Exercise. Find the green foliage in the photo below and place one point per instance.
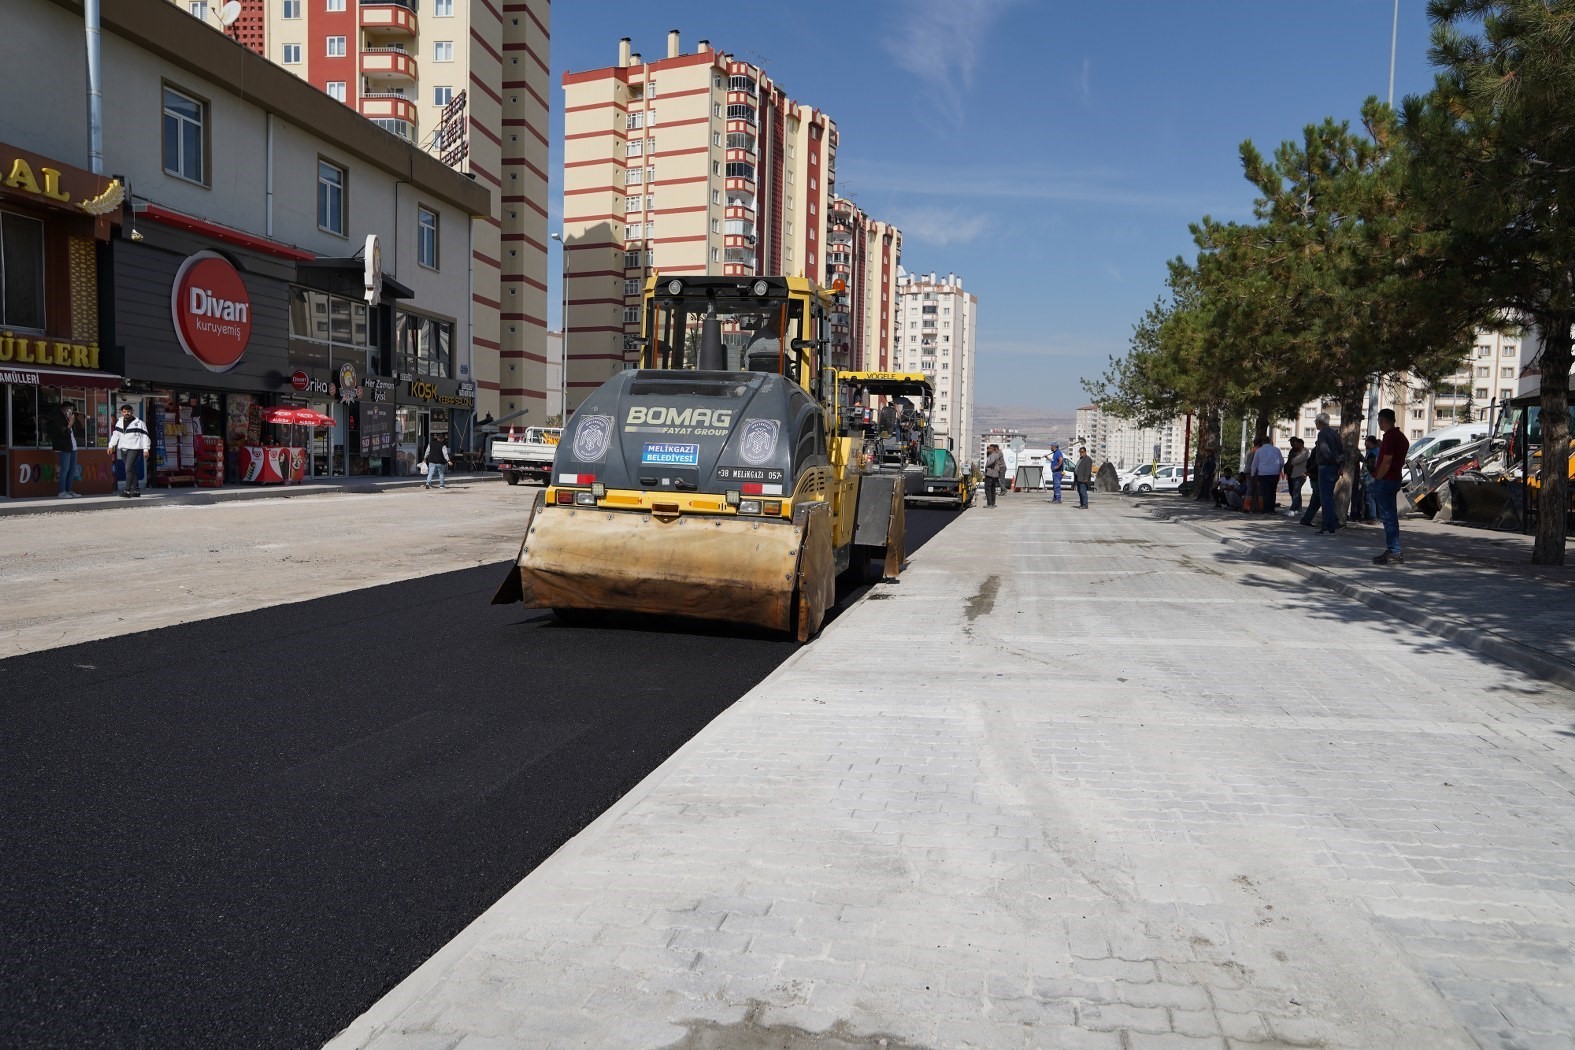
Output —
(1494, 171)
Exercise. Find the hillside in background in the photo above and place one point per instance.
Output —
(1040, 428)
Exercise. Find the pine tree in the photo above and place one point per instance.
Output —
(1494, 157)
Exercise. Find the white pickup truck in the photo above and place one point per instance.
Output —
(528, 457)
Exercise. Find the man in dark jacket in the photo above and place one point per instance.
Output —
(438, 461)
(64, 431)
(1083, 476)
(1329, 455)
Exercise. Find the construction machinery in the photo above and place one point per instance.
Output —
(897, 437)
(714, 480)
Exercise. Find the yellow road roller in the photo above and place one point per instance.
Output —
(713, 481)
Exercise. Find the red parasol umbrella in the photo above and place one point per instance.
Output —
(300, 417)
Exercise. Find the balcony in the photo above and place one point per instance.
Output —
(836, 237)
(388, 105)
(388, 63)
(398, 16)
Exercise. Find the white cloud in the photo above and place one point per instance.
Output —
(939, 42)
(939, 226)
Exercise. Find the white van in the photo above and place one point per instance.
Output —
(1441, 441)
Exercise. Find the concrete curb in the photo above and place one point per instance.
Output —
(1478, 640)
(206, 497)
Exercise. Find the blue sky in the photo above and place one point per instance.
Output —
(1051, 153)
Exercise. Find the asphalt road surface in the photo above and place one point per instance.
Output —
(243, 831)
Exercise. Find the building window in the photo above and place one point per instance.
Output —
(443, 8)
(631, 315)
(426, 237)
(443, 51)
(633, 176)
(1510, 349)
(291, 54)
(631, 286)
(423, 346)
(1506, 373)
(631, 231)
(1484, 351)
(634, 147)
(291, 9)
(199, 9)
(185, 136)
(631, 260)
(336, 47)
(634, 121)
(336, 5)
(336, 90)
(330, 197)
(442, 95)
(1506, 394)
(21, 272)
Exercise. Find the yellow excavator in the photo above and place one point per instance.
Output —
(713, 481)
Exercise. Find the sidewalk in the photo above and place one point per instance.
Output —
(1081, 779)
(195, 497)
(1474, 587)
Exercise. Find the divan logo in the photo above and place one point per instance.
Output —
(212, 312)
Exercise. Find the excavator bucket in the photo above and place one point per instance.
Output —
(736, 570)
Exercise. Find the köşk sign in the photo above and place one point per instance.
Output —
(212, 312)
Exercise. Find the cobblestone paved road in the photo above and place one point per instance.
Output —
(1079, 780)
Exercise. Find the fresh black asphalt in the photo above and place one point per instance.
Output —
(242, 832)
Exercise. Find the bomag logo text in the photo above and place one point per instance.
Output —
(660, 416)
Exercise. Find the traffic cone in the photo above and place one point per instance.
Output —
(511, 433)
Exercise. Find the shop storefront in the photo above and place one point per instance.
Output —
(428, 399)
(54, 222)
(202, 321)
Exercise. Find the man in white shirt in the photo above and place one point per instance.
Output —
(1267, 463)
(131, 437)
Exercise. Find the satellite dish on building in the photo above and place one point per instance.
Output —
(229, 13)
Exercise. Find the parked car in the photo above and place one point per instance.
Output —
(1142, 470)
(1166, 479)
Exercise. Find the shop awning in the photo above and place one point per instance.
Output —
(58, 377)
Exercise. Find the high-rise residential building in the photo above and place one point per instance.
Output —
(468, 80)
(866, 255)
(1113, 439)
(936, 320)
(687, 163)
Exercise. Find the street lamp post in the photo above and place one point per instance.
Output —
(563, 333)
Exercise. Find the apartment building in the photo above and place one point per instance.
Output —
(936, 323)
(685, 163)
(1494, 373)
(865, 254)
(1113, 439)
(468, 81)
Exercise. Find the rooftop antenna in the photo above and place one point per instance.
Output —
(229, 13)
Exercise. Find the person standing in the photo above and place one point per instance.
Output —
(1268, 462)
(1083, 476)
(1386, 485)
(63, 439)
(1368, 504)
(1329, 455)
(130, 437)
(1296, 473)
(994, 469)
(438, 461)
(1208, 473)
(1057, 465)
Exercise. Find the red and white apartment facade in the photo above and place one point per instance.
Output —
(690, 163)
(866, 255)
(468, 80)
